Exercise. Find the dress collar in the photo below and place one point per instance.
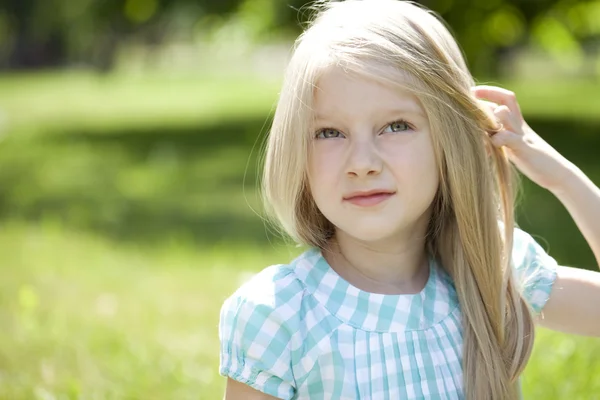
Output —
(374, 311)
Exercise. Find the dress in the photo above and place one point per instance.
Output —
(300, 331)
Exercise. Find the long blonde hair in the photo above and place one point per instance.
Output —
(471, 227)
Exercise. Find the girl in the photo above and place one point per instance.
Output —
(387, 163)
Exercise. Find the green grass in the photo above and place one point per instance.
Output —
(83, 317)
(562, 367)
(129, 211)
(82, 100)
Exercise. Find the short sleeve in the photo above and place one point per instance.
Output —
(255, 346)
(535, 270)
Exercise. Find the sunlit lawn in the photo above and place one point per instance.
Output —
(128, 215)
(85, 318)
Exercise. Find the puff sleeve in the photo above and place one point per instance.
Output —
(255, 341)
(535, 270)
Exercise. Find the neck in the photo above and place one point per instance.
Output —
(398, 265)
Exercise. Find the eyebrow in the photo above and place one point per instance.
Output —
(386, 112)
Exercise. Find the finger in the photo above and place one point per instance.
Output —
(488, 108)
(506, 117)
(505, 138)
(489, 105)
(497, 95)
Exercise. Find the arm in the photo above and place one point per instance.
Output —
(238, 391)
(574, 303)
(582, 199)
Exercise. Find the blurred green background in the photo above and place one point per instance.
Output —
(130, 136)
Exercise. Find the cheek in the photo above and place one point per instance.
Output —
(414, 164)
(323, 164)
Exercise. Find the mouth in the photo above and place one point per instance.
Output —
(370, 198)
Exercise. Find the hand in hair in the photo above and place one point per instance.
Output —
(532, 155)
(573, 303)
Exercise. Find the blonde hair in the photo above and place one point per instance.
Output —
(402, 43)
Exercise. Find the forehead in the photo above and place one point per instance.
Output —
(342, 91)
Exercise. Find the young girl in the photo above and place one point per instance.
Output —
(387, 163)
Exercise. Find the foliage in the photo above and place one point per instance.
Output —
(36, 33)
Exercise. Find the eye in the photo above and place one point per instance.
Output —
(328, 133)
(397, 126)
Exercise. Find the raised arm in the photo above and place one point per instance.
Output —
(574, 303)
(582, 199)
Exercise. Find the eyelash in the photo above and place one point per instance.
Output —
(318, 134)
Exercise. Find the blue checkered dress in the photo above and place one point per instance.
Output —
(300, 331)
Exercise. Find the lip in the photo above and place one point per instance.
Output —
(366, 193)
(369, 198)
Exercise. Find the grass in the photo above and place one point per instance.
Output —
(84, 317)
(129, 212)
(101, 103)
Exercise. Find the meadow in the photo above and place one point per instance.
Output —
(129, 212)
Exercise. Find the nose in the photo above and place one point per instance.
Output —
(363, 159)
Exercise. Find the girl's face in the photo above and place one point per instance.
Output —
(369, 138)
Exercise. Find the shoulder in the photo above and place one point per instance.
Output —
(271, 297)
(527, 253)
(256, 327)
(271, 289)
(535, 270)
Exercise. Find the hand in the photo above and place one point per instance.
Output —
(532, 155)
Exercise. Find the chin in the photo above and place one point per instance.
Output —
(371, 232)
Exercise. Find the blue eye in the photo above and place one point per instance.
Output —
(397, 126)
(328, 133)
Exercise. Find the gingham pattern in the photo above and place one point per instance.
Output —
(535, 270)
(300, 331)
